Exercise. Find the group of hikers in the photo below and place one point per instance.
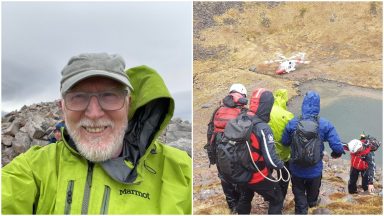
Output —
(247, 143)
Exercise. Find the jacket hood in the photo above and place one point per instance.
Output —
(150, 111)
(261, 103)
(281, 98)
(311, 104)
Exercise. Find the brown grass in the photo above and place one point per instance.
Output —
(336, 196)
(364, 205)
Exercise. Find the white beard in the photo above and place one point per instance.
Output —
(94, 150)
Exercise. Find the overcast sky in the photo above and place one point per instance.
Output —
(38, 39)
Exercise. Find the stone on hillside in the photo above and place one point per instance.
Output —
(177, 120)
(343, 176)
(34, 127)
(39, 142)
(182, 144)
(205, 106)
(175, 135)
(21, 143)
(5, 125)
(45, 125)
(33, 107)
(253, 68)
(350, 199)
(322, 211)
(326, 158)
(12, 129)
(324, 200)
(179, 127)
(296, 84)
(9, 118)
(22, 120)
(7, 155)
(6, 140)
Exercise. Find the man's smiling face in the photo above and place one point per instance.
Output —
(98, 130)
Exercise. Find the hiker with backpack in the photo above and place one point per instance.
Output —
(280, 117)
(306, 134)
(362, 162)
(231, 106)
(259, 157)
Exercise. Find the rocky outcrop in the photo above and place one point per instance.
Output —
(34, 125)
(178, 134)
(31, 125)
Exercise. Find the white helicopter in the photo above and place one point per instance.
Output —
(288, 64)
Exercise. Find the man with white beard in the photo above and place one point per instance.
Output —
(109, 160)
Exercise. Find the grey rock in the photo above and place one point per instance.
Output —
(21, 143)
(177, 120)
(175, 135)
(343, 176)
(8, 118)
(39, 142)
(5, 125)
(296, 84)
(35, 127)
(12, 129)
(253, 68)
(326, 158)
(7, 140)
(205, 106)
(324, 201)
(349, 198)
(179, 127)
(182, 144)
(7, 155)
(322, 211)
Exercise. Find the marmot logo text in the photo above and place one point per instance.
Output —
(135, 192)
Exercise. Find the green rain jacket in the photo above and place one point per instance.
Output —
(55, 179)
(280, 116)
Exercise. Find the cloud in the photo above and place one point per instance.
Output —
(38, 38)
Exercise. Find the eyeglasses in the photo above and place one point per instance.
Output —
(108, 100)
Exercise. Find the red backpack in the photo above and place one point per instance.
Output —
(232, 105)
(357, 159)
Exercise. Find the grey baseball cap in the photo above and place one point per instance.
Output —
(93, 64)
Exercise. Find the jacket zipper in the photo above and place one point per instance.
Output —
(87, 189)
(104, 204)
(68, 200)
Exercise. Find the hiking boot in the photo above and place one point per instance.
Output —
(234, 211)
(313, 204)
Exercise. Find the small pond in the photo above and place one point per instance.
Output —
(352, 110)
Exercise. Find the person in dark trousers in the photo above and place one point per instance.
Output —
(263, 155)
(306, 181)
(280, 117)
(362, 163)
(232, 105)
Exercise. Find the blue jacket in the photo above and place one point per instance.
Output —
(309, 109)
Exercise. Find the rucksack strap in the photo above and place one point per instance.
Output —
(256, 120)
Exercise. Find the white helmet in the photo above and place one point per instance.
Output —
(354, 145)
(240, 88)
